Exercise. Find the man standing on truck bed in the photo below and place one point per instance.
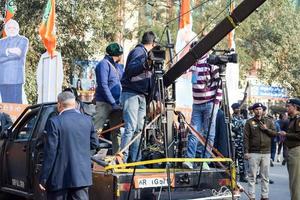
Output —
(66, 172)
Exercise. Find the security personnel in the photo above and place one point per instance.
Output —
(293, 143)
(258, 133)
(238, 123)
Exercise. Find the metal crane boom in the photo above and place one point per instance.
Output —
(211, 39)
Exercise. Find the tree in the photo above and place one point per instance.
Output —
(271, 35)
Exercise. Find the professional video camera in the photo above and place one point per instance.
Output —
(157, 55)
(221, 57)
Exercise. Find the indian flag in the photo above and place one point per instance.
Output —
(47, 28)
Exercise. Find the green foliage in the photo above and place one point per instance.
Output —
(271, 35)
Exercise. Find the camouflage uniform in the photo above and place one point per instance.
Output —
(238, 123)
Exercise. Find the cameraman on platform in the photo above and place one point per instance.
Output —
(137, 83)
(206, 98)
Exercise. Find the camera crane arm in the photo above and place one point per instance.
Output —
(211, 39)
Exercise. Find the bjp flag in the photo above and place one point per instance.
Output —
(47, 28)
(10, 10)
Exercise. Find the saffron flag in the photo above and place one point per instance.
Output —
(47, 28)
(10, 10)
(185, 34)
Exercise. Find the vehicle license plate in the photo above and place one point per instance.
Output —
(148, 181)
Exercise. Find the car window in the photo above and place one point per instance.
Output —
(26, 130)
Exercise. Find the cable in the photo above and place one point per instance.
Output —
(177, 53)
(179, 16)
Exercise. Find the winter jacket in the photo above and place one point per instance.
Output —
(108, 76)
(137, 77)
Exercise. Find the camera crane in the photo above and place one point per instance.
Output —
(239, 14)
(167, 79)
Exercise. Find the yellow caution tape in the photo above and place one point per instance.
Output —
(164, 160)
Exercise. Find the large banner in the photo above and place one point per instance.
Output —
(14, 110)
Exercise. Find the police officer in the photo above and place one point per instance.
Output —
(258, 133)
(293, 143)
(238, 123)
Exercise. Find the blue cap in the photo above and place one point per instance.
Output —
(235, 106)
(294, 101)
(256, 105)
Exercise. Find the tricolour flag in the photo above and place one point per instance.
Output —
(10, 10)
(47, 28)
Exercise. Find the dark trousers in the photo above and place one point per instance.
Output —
(11, 93)
(81, 193)
(273, 148)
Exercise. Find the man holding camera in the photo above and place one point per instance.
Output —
(258, 132)
(137, 83)
(207, 95)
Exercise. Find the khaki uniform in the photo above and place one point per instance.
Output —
(257, 143)
(293, 162)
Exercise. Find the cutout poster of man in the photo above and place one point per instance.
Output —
(13, 50)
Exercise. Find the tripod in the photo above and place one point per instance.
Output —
(160, 90)
(158, 71)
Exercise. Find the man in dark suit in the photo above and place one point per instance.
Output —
(66, 172)
(5, 121)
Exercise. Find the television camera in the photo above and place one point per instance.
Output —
(157, 57)
(221, 57)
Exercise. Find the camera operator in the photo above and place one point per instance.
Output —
(137, 83)
(206, 93)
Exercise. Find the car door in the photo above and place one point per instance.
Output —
(17, 152)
